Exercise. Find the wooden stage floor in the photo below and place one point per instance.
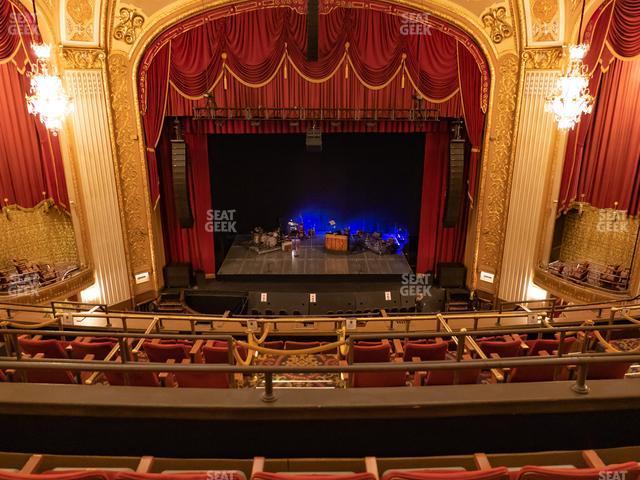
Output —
(312, 259)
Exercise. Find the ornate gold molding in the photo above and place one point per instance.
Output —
(132, 176)
(572, 292)
(542, 58)
(129, 24)
(57, 291)
(498, 169)
(82, 58)
(496, 21)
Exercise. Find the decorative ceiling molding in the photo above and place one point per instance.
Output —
(545, 22)
(75, 58)
(497, 22)
(80, 22)
(542, 58)
(129, 25)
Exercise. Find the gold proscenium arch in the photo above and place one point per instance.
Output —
(488, 217)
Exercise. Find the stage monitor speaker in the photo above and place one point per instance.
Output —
(216, 303)
(455, 177)
(313, 11)
(314, 140)
(278, 303)
(177, 275)
(180, 174)
(333, 303)
(452, 275)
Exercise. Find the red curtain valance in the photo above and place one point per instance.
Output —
(31, 166)
(248, 57)
(602, 161)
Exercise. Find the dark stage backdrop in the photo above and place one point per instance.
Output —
(367, 181)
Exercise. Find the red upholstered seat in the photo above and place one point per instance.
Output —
(312, 476)
(492, 474)
(161, 352)
(631, 472)
(291, 345)
(607, 371)
(48, 348)
(446, 377)
(503, 349)
(535, 373)
(425, 351)
(549, 345)
(136, 379)
(217, 354)
(379, 353)
(274, 344)
(99, 350)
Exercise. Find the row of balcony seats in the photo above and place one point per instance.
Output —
(382, 351)
(585, 465)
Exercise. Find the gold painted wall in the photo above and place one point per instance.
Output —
(42, 234)
(602, 236)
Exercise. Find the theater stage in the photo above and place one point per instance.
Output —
(312, 260)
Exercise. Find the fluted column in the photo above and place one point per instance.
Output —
(534, 151)
(90, 140)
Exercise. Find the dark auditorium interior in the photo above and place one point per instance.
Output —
(319, 239)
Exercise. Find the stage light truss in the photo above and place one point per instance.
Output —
(294, 116)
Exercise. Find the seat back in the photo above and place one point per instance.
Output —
(99, 350)
(48, 348)
(136, 379)
(607, 371)
(549, 345)
(500, 473)
(466, 376)
(274, 344)
(214, 355)
(161, 352)
(425, 351)
(625, 471)
(380, 352)
(535, 373)
(503, 349)
(292, 345)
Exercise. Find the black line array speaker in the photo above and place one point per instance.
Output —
(455, 178)
(180, 174)
(313, 11)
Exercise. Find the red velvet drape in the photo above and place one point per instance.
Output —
(257, 58)
(191, 245)
(436, 243)
(31, 167)
(602, 161)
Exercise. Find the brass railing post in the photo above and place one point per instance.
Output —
(581, 381)
(268, 396)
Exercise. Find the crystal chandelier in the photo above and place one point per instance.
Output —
(571, 98)
(47, 98)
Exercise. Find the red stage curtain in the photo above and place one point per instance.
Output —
(436, 243)
(258, 58)
(603, 155)
(191, 245)
(31, 165)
